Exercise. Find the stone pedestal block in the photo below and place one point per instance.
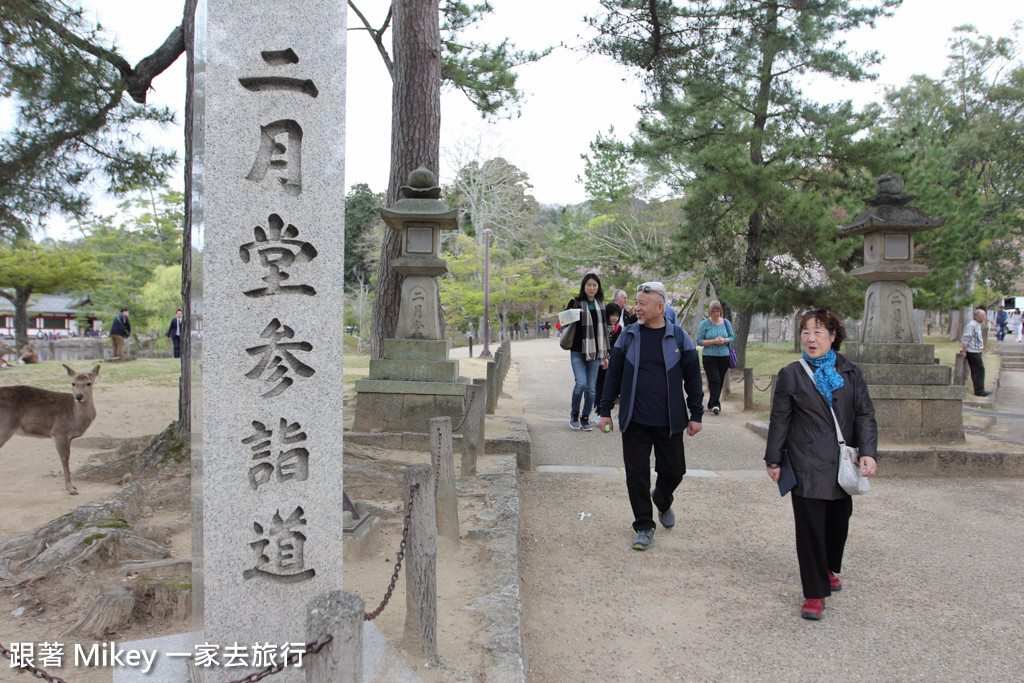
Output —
(915, 354)
(406, 406)
(416, 370)
(416, 349)
(889, 314)
(418, 315)
(892, 373)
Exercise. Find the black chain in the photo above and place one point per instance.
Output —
(466, 414)
(370, 616)
(38, 673)
(311, 649)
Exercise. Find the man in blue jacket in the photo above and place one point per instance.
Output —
(651, 364)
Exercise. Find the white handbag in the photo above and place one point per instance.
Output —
(849, 477)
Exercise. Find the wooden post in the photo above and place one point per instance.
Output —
(473, 427)
(748, 388)
(492, 384)
(421, 564)
(446, 504)
(340, 614)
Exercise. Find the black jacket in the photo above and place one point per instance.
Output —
(121, 326)
(801, 423)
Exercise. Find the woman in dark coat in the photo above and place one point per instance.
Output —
(802, 426)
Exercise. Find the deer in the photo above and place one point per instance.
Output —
(46, 414)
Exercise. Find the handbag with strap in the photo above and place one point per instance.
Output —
(849, 476)
(732, 352)
(568, 332)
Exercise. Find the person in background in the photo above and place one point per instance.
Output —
(973, 343)
(1016, 323)
(715, 337)
(1001, 324)
(614, 329)
(803, 426)
(589, 350)
(120, 330)
(174, 333)
(628, 317)
(652, 363)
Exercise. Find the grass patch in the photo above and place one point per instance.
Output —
(95, 537)
(51, 375)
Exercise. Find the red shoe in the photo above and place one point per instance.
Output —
(812, 608)
(834, 582)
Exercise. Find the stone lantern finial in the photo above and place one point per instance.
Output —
(422, 185)
(889, 192)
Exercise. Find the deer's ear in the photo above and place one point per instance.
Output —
(71, 373)
(95, 372)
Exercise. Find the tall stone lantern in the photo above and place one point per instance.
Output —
(888, 228)
(414, 380)
(915, 399)
(420, 217)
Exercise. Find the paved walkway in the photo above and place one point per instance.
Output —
(933, 587)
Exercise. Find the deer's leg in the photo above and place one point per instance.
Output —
(6, 432)
(64, 451)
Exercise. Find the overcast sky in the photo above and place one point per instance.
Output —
(570, 97)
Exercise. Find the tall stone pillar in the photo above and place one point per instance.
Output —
(270, 104)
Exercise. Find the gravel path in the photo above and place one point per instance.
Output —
(933, 589)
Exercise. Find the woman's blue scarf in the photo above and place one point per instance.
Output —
(826, 379)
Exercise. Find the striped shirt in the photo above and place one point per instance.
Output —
(972, 338)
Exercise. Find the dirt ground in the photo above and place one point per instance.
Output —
(32, 494)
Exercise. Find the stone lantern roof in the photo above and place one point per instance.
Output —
(889, 211)
(888, 228)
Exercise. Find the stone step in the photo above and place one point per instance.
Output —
(903, 374)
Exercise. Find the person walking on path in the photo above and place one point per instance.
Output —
(120, 330)
(973, 343)
(174, 333)
(803, 427)
(651, 365)
(589, 350)
(1001, 324)
(715, 337)
(1017, 323)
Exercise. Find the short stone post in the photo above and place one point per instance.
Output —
(960, 369)
(492, 387)
(473, 427)
(446, 505)
(421, 564)
(748, 388)
(339, 614)
(499, 363)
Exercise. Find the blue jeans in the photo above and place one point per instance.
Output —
(585, 372)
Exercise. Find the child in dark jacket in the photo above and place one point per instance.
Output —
(614, 330)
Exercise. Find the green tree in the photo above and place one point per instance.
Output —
(761, 164)
(130, 245)
(955, 132)
(66, 87)
(158, 300)
(362, 226)
(27, 269)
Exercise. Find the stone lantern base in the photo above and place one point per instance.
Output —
(914, 398)
(412, 383)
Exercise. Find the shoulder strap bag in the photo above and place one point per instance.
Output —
(732, 352)
(849, 477)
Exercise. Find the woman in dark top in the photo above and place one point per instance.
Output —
(802, 426)
(589, 349)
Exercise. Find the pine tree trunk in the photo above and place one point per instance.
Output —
(185, 383)
(415, 138)
(21, 318)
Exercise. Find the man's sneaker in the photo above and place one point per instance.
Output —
(667, 518)
(834, 582)
(585, 423)
(574, 419)
(643, 539)
(812, 608)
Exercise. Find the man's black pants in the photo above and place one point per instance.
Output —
(977, 371)
(669, 463)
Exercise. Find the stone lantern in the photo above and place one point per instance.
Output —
(420, 217)
(888, 228)
(915, 400)
(414, 380)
